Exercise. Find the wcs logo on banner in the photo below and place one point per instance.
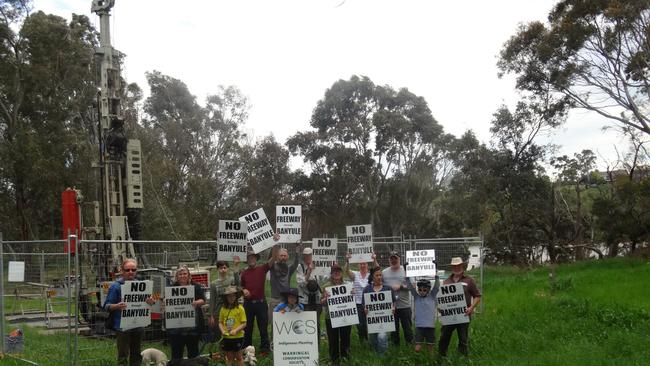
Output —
(298, 327)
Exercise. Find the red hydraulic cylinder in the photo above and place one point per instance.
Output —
(71, 218)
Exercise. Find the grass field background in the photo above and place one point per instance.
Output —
(597, 313)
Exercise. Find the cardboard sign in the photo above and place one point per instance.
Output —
(380, 317)
(16, 272)
(260, 232)
(288, 223)
(341, 306)
(295, 338)
(232, 240)
(420, 263)
(324, 255)
(360, 243)
(452, 304)
(137, 313)
(179, 312)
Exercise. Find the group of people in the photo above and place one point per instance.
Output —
(233, 322)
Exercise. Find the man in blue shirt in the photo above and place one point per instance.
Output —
(128, 341)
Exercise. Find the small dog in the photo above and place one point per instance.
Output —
(249, 356)
(152, 356)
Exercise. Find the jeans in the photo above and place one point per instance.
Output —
(362, 327)
(379, 342)
(257, 309)
(179, 341)
(463, 338)
(403, 316)
(339, 341)
(128, 347)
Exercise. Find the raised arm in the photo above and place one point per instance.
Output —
(409, 285)
(346, 269)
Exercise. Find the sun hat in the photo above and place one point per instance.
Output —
(455, 261)
(307, 251)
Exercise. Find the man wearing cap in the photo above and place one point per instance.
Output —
(309, 292)
(395, 277)
(472, 296)
(253, 280)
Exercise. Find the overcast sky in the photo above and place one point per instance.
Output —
(283, 55)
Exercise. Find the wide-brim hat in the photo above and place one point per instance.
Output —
(307, 251)
(394, 254)
(230, 290)
(250, 252)
(455, 261)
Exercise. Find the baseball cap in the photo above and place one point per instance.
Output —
(307, 251)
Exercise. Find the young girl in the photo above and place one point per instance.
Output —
(425, 310)
(290, 302)
(232, 321)
(378, 341)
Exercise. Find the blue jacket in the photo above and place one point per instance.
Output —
(114, 297)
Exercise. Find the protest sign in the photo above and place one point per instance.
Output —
(232, 240)
(342, 306)
(324, 255)
(420, 263)
(260, 232)
(452, 304)
(179, 312)
(380, 317)
(295, 338)
(137, 313)
(288, 223)
(359, 243)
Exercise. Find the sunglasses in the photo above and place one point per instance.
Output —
(129, 270)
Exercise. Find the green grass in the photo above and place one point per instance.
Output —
(598, 314)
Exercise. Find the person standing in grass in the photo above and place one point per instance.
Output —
(232, 321)
(378, 341)
(188, 337)
(338, 338)
(128, 341)
(360, 281)
(425, 312)
(473, 298)
(395, 277)
(225, 278)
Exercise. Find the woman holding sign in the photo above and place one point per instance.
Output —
(378, 341)
(360, 280)
(339, 338)
(188, 337)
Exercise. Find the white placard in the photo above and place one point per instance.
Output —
(16, 272)
(260, 232)
(179, 312)
(359, 243)
(324, 255)
(137, 313)
(295, 338)
(288, 222)
(420, 263)
(380, 317)
(341, 306)
(452, 304)
(232, 240)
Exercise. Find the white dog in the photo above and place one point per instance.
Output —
(153, 357)
(249, 356)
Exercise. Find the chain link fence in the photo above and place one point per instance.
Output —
(61, 294)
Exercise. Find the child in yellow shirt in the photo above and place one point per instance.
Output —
(232, 321)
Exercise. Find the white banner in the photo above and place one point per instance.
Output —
(420, 263)
(137, 313)
(452, 304)
(341, 306)
(288, 222)
(295, 338)
(359, 243)
(179, 312)
(260, 232)
(380, 317)
(324, 255)
(232, 240)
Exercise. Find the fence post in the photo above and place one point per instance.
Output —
(2, 296)
(69, 295)
(482, 265)
(77, 287)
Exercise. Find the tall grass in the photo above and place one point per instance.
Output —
(597, 314)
